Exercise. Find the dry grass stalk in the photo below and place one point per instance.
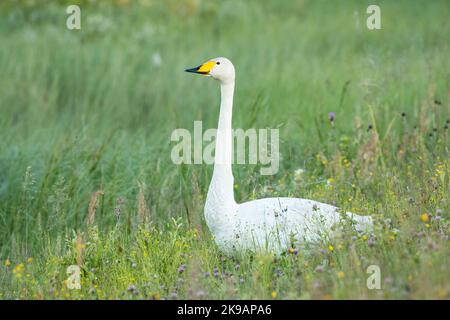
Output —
(143, 210)
(92, 208)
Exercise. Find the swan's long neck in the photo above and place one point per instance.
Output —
(220, 201)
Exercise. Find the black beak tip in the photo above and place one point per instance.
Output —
(191, 70)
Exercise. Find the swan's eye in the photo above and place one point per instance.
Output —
(217, 62)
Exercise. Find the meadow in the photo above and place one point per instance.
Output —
(86, 116)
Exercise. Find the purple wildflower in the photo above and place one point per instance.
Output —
(181, 269)
(131, 288)
(279, 273)
(319, 269)
(200, 293)
(331, 116)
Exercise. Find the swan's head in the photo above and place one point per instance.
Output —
(219, 68)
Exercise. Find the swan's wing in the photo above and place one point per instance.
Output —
(289, 213)
(287, 220)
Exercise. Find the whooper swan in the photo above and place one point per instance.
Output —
(264, 225)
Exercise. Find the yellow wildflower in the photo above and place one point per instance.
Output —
(156, 296)
(331, 248)
(7, 263)
(17, 271)
(30, 260)
(424, 217)
(442, 293)
(341, 275)
(274, 294)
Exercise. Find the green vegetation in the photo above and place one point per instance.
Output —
(86, 117)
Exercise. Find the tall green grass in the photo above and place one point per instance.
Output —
(93, 110)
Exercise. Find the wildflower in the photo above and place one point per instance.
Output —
(317, 285)
(181, 269)
(200, 293)
(131, 288)
(370, 242)
(206, 274)
(331, 116)
(30, 260)
(18, 269)
(216, 272)
(364, 237)
(274, 294)
(7, 263)
(331, 248)
(156, 296)
(173, 295)
(319, 269)
(442, 293)
(117, 212)
(424, 217)
(156, 59)
(279, 273)
(353, 238)
(341, 274)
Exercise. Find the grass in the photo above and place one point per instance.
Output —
(86, 117)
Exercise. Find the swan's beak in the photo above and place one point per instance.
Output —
(203, 68)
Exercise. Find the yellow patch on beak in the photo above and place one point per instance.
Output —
(206, 67)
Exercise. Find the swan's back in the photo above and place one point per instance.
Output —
(274, 224)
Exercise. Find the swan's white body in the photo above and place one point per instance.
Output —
(264, 225)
